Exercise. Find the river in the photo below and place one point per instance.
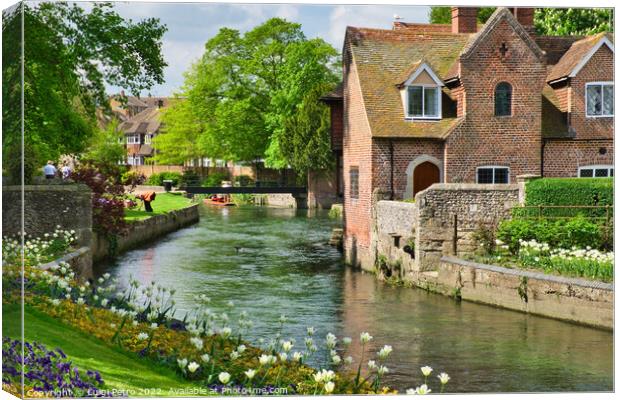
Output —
(271, 261)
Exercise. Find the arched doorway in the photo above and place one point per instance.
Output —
(424, 175)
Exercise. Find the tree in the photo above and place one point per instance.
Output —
(573, 21)
(548, 21)
(107, 145)
(241, 92)
(69, 56)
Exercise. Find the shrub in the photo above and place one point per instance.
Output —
(570, 192)
(565, 233)
(243, 180)
(133, 178)
(485, 237)
(158, 179)
(189, 178)
(215, 179)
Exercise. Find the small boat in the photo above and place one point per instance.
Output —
(218, 202)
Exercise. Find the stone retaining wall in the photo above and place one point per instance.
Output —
(144, 231)
(46, 207)
(571, 299)
(80, 260)
(286, 200)
(395, 227)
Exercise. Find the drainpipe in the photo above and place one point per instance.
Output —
(391, 170)
(542, 157)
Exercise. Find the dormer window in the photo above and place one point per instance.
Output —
(424, 101)
(421, 93)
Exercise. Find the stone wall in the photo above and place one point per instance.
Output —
(80, 260)
(469, 206)
(323, 189)
(430, 224)
(286, 200)
(141, 232)
(46, 207)
(570, 299)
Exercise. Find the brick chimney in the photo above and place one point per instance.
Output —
(464, 19)
(525, 16)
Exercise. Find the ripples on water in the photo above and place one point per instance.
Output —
(276, 261)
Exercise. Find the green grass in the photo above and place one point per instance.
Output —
(163, 203)
(120, 369)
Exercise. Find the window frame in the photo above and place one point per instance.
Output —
(424, 86)
(594, 167)
(601, 84)
(133, 139)
(495, 114)
(493, 167)
(354, 195)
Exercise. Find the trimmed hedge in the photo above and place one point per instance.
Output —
(568, 192)
(158, 179)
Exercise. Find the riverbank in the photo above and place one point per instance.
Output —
(143, 231)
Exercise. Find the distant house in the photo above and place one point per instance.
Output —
(140, 124)
(428, 103)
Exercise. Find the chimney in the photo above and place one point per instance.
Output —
(464, 19)
(122, 93)
(525, 16)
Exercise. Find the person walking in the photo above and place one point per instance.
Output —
(49, 170)
(65, 171)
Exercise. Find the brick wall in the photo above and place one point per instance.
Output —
(322, 189)
(483, 138)
(357, 152)
(336, 124)
(599, 68)
(405, 152)
(564, 157)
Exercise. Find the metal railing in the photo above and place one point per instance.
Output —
(598, 213)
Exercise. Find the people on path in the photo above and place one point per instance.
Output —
(49, 170)
(65, 171)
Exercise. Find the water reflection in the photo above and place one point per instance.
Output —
(277, 261)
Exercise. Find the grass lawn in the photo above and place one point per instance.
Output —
(119, 368)
(163, 203)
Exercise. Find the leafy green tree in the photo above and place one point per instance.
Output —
(573, 21)
(69, 56)
(548, 21)
(178, 140)
(107, 145)
(240, 94)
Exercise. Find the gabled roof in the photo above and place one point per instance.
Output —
(381, 57)
(414, 71)
(334, 95)
(502, 13)
(146, 121)
(578, 55)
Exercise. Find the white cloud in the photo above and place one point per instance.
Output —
(369, 17)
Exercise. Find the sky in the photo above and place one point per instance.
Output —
(191, 25)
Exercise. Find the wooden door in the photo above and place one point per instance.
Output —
(424, 175)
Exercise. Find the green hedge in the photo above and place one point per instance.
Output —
(158, 179)
(568, 192)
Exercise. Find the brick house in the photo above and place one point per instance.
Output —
(429, 103)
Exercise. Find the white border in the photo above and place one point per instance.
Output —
(601, 83)
(594, 167)
(604, 41)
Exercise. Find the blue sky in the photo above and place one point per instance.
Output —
(191, 25)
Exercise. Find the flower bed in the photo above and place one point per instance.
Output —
(204, 347)
(587, 263)
(46, 372)
(38, 250)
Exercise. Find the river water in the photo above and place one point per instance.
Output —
(272, 261)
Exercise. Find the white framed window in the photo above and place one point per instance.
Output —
(135, 160)
(599, 99)
(423, 102)
(148, 138)
(220, 163)
(596, 171)
(206, 162)
(492, 174)
(133, 139)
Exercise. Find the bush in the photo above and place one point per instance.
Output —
(569, 192)
(243, 180)
(215, 179)
(564, 233)
(158, 179)
(132, 178)
(189, 178)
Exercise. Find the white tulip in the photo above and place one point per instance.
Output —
(443, 378)
(372, 364)
(205, 358)
(224, 377)
(426, 371)
(234, 355)
(365, 337)
(287, 346)
(182, 363)
(297, 356)
(346, 341)
(423, 390)
(192, 367)
(329, 387)
(241, 348)
(385, 352)
(250, 373)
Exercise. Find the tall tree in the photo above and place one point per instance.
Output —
(243, 89)
(548, 21)
(69, 56)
